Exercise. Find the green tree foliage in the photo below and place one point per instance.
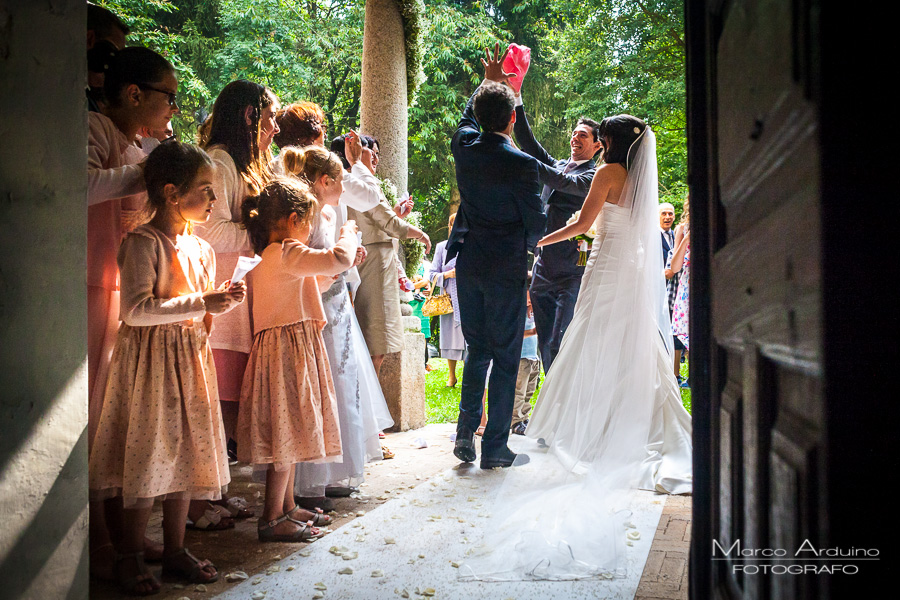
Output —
(589, 57)
(627, 56)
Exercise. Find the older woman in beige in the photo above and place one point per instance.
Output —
(377, 301)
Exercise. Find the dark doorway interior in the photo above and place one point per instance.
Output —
(794, 333)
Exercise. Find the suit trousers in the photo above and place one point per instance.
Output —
(492, 315)
(553, 311)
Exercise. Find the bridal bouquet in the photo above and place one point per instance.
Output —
(584, 240)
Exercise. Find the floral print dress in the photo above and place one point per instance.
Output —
(682, 302)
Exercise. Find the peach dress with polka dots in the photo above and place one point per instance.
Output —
(160, 432)
(288, 405)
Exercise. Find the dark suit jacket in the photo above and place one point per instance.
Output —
(499, 218)
(556, 263)
(665, 245)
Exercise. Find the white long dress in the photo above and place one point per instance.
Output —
(609, 418)
(362, 410)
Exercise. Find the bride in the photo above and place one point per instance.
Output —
(609, 417)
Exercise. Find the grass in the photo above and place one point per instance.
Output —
(685, 392)
(442, 403)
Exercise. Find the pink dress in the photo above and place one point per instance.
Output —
(160, 432)
(116, 200)
(288, 408)
(233, 336)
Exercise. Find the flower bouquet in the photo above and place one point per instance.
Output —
(584, 240)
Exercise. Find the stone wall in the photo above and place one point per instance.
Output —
(43, 348)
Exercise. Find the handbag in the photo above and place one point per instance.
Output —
(437, 305)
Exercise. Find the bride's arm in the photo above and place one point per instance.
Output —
(594, 202)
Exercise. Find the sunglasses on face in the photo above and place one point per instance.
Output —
(172, 98)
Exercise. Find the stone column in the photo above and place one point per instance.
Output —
(383, 104)
(402, 377)
(384, 114)
(43, 337)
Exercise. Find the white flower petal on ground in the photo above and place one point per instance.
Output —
(350, 555)
(290, 568)
(318, 595)
(272, 570)
(236, 576)
(377, 573)
(305, 553)
(320, 586)
(390, 540)
(256, 581)
(633, 535)
(258, 595)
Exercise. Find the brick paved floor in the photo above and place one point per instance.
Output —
(665, 575)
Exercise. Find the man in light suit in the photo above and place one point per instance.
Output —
(498, 222)
(556, 277)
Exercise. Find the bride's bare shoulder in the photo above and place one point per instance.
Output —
(612, 176)
(614, 170)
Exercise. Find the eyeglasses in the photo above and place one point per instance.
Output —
(172, 98)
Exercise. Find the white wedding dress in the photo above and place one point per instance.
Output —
(609, 417)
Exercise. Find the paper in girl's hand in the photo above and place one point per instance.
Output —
(517, 62)
(244, 265)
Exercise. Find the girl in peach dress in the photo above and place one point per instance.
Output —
(160, 432)
(139, 88)
(288, 408)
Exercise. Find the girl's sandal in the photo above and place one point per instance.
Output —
(237, 507)
(386, 453)
(103, 561)
(130, 585)
(306, 533)
(215, 518)
(319, 518)
(193, 573)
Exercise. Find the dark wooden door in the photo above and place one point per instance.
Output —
(791, 293)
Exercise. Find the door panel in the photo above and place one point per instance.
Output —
(758, 202)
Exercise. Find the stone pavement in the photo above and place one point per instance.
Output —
(664, 577)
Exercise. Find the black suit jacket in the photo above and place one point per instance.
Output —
(556, 263)
(665, 245)
(500, 217)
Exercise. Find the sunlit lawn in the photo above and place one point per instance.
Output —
(442, 403)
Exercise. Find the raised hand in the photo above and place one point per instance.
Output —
(352, 147)
(493, 66)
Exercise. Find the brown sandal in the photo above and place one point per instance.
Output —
(129, 585)
(319, 518)
(307, 533)
(190, 574)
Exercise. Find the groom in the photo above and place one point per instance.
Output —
(498, 222)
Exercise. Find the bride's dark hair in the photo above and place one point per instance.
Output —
(618, 134)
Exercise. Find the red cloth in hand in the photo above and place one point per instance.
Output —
(517, 62)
